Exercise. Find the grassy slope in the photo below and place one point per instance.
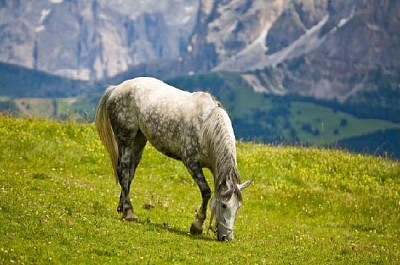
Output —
(326, 121)
(307, 205)
(17, 81)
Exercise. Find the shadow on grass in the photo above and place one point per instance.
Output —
(206, 236)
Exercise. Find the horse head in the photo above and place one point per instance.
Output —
(224, 206)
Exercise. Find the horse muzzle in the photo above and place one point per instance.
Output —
(224, 233)
(224, 237)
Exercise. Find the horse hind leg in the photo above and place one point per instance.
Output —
(130, 153)
(124, 171)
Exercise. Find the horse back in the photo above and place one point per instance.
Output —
(170, 119)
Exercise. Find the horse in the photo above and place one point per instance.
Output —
(191, 127)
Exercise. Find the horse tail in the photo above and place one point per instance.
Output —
(105, 131)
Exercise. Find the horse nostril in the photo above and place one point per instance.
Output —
(223, 238)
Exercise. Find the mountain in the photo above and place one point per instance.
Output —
(287, 70)
(327, 49)
(92, 39)
(335, 50)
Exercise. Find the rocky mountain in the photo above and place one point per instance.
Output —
(327, 49)
(330, 49)
(93, 39)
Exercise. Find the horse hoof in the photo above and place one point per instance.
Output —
(130, 216)
(195, 229)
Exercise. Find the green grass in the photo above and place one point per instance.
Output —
(326, 121)
(307, 205)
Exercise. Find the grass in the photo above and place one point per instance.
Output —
(326, 121)
(307, 205)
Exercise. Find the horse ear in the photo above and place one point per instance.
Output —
(245, 184)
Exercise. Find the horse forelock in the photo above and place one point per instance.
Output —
(227, 184)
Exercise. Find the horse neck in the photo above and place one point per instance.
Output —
(220, 140)
(225, 169)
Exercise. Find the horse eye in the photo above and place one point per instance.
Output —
(223, 205)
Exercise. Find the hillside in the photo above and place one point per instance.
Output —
(19, 82)
(306, 206)
(256, 117)
(24, 91)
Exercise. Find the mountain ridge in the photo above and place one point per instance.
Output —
(326, 56)
(324, 49)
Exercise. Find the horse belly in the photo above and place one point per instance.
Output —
(166, 135)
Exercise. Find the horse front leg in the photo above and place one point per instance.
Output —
(197, 174)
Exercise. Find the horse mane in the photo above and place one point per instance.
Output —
(219, 139)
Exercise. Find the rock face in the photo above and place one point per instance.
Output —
(321, 48)
(330, 49)
(93, 39)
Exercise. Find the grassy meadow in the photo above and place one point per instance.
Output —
(58, 202)
(332, 126)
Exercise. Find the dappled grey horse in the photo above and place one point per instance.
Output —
(191, 127)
